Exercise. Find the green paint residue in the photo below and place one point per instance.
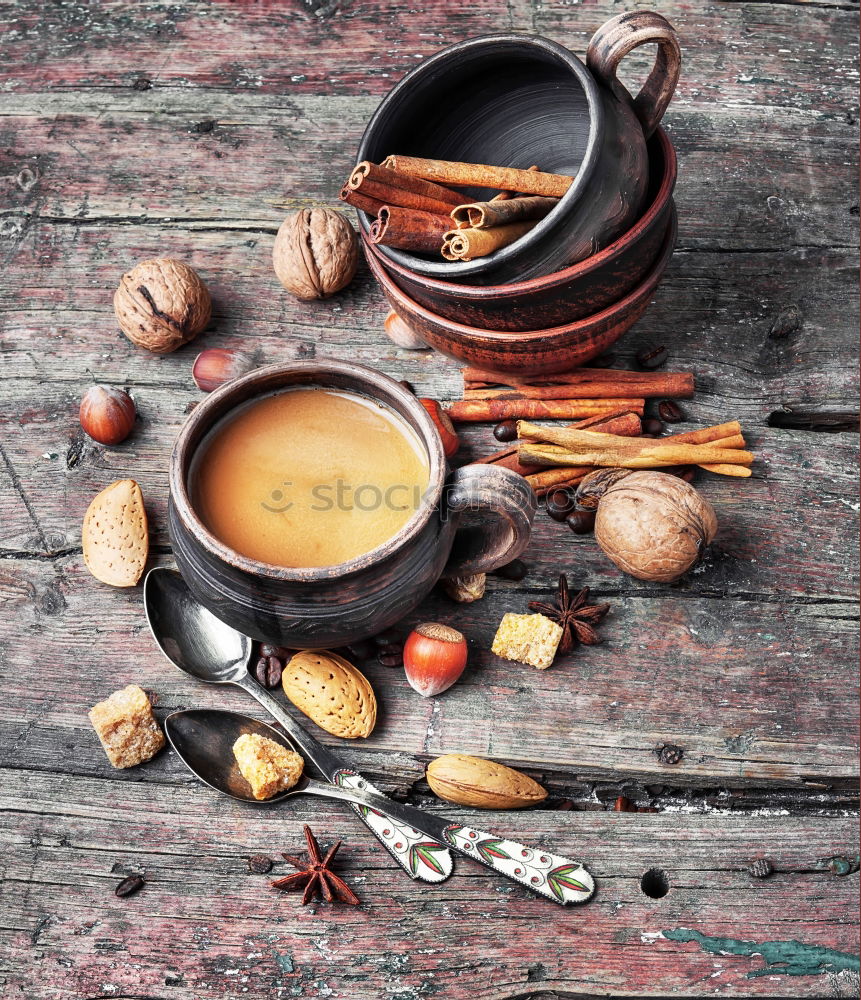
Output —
(285, 962)
(788, 958)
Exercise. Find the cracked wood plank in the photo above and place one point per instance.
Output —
(207, 928)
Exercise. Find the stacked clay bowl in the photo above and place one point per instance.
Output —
(552, 323)
(563, 293)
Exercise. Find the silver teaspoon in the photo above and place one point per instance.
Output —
(204, 738)
(204, 647)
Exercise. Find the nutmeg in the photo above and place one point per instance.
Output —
(316, 253)
(653, 525)
(161, 304)
(107, 414)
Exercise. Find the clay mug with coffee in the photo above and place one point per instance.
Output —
(311, 506)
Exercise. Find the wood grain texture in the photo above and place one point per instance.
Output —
(203, 927)
(130, 130)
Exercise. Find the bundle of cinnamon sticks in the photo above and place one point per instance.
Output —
(585, 392)
(416, 207)
(607, 432)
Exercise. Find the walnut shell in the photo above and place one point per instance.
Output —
(316, 253)
(161, 304)
(654, 526)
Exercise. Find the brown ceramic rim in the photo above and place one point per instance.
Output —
(648, 284)
(455, 289)
(181, 457)
(538, 45)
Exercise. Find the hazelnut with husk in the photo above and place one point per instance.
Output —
(652, 525)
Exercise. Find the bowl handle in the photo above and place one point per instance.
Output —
(619, 36)
(483, 543)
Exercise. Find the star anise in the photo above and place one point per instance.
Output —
(316, 876)
(574, 614)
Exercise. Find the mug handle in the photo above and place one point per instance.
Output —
(481, 547)
(619, 36)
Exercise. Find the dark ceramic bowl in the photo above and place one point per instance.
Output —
(517, 100)
(471, 520)
(532, 352)
(564, 296)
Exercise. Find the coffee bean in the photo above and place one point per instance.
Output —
(559, 504)
(268, 671)
(515, 570)
(652, 427)
(688, 475)
(652, 357)
(670, 412)
(129, 886)
(267, 649)
(408, 386)
(506, 431)
(392, 657)
(259, 864)
(364, 649)
(581, 522)
(387, 638)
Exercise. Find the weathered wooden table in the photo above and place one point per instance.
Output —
(190, 129)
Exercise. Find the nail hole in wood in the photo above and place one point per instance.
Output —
(655, 883)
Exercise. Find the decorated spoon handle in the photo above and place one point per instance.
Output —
(420, 856)
(560, 879)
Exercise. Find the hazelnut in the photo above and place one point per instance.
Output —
(653, 525)
(402, 335)
(161, 304)
(217, 365)
(316, 253)
(107, 414)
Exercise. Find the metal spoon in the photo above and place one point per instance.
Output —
(206, 648)
(204, 738)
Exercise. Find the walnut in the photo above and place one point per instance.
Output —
(316, 253)
(653, 525)
(161, 304)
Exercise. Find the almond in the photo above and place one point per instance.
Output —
(114, 535)
(331, 692)
(473, 781)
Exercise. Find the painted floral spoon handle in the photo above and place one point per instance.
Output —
(560, 879)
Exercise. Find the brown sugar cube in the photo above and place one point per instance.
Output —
(127, 728)
(266, 765)
(528, 639)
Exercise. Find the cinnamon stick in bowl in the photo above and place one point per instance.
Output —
(408, 229)
(480, 175)
(366, 171)
(467, 244)
(497, 212)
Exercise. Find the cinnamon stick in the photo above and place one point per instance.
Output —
(367, 171)
(361, 201)
(645, 455)
(547, 480)
(624, 424)
(389, 195)
(480, 175)
(484, 214)
(407, 229)
(494, 410)
(467, 244)
(706, 435)
(588, 382)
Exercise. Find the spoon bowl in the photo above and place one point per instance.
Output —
(203, 740)
(190, 635)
